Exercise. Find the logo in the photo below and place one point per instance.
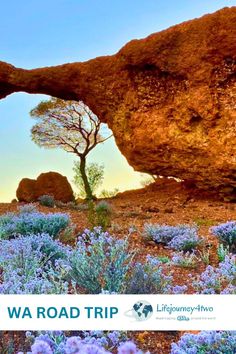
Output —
(141, 311)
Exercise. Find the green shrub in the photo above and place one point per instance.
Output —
(12, 224)
(206, 342)
(47, 201)
(179, 238)
(222, 252)
(226, 233)
(185, 259)
(27, 209)
(109, 194)
(100, 262)
(152, 277)
(100, 214)
(103, 212)
(33, 265)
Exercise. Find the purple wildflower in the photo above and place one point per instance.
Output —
(127, 348)
(41, 347)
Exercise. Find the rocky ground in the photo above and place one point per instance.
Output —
(166, 202)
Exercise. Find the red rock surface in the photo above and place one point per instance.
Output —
(50, 183)
(26, 191)
(169, 98)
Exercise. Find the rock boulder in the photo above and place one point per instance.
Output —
(50, 183)
(26, 191)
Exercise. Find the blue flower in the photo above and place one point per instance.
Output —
(181, 237)
(226, 234)
(127, 348)
(41, 347)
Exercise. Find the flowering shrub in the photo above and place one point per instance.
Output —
(33, 265)
(221, 280)
(228, 269)
(25, 223)
(129, 348)
(226, 234)
(27, 208)
(99, 262)
(185, 260)
(186, 241)
(206, 342)
(161, 233)
(92, 342)
(38, 264)
(47, 201)
(151, 278)
(181, 237)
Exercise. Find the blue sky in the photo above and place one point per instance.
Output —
(42, 33)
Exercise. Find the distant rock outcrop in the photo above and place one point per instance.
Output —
(50, 183)
(170, 99)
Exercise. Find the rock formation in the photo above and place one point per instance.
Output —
(50, 183)
(170, 98)
(26, 191)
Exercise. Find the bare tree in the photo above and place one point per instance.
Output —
(69, 125)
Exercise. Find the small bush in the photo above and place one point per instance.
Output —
(103, 212)
(82, 206)
(181, 237)
(47, 201)
(100, 262)
(60, 204)
(92, 217)
(76, 345)
(109, 194)
(151, 278)
(164, 259)
(204, 222)
(186, 241)
(222, 252)
(185, 260)
(27, 209)
(100, 214)
(60, 343)
(204, 255)
(206, 342)
(68, 235)
(221, 280)
(226, 234)
(12, 224)
(32, 265)
(71, 205)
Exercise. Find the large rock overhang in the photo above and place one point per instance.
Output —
(170, 99)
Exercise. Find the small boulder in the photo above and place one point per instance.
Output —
(56, 185)
(50, 183)
(26, 191)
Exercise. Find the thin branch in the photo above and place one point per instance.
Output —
(102, 141)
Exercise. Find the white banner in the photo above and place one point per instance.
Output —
(117, 312)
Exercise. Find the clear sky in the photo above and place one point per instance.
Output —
(49, 32)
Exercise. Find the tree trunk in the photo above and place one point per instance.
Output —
(87, 188)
